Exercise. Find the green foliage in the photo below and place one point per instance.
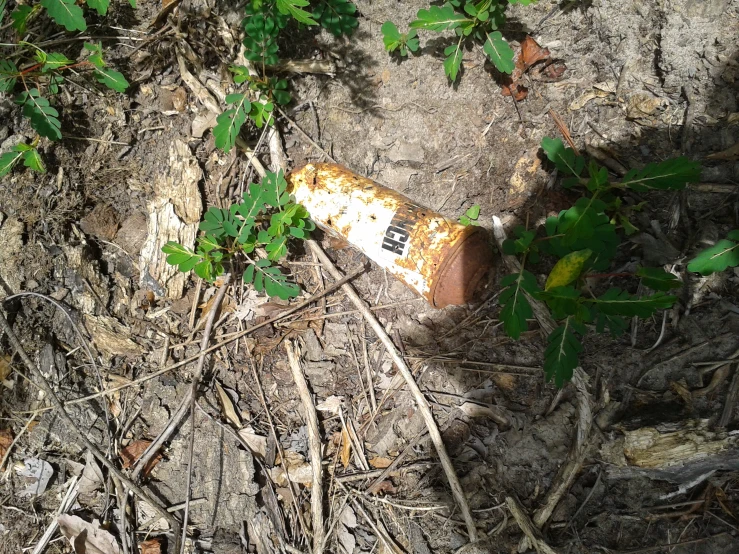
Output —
(337, 16)
(583, 240)
(265, 218)
(472, 21)
(395, 40)
(229, 122)
(470, 216)
(41, 73)
(720, 256)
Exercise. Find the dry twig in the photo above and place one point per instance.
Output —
(314, 444)
(531, 532)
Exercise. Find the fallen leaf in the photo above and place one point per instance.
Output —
(531, 52)
(346, 449)
(386, 487)
(152, 546)
(379, 462)
(133, 452)
(724, 503)
(729, 155)
(348, 520)
(256, 443)
(4, 367)
(85, 537)
(6, 439)
(293, 467)
(529, 55)
(332, 404)
(227, 406)
(92, 476)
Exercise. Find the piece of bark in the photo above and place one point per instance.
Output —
(174, 215)
(678, 453)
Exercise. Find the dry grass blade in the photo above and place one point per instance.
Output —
(405, 371)
(314, 444)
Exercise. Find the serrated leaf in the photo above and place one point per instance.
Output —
(32, 159)
(54, 61)
(20, 16)
(7, 161)
(668, 175)
(616, 324)
(567, 269)
(564, 159)
(100, 6)
(438, 18)
(294, 9)
(561, 355)
(562, 301)
(8, 75)
(453, 60)
(337, 16)
(65, 13)
(618, 302)
(499, 52)
(657, 278)
(44, 118)
(111, 79)
(722, 255)
(516, 307)
(229, 123)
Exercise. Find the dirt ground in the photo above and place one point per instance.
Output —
(644, 81)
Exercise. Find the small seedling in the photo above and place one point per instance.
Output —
(470, 216)
(251, 235)
(263, 24)
(722, 255)
(473, 22)
(41, 74)
(583, 240)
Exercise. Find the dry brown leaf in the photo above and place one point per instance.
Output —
(227, 406)
(385, 487)
(152, 546)
(85, 537)
(724, 503)
(256, 443)
(531, 52)
(4, 367)
(346, 449)
(133, 452)
(529, 55)
(6, 439)
(729, 155)
(379, 462)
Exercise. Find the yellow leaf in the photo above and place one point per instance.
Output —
(567, 269)
(346, 448)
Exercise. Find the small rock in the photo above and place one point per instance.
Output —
(407, 152)
(12, 141)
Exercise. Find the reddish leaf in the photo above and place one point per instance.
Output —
(6, 439)
(133, 452)
(531, 52)
(152, 546)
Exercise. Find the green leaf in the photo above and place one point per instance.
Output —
(32, 159)
(391, 37)
(274, 187)
(657, 278)
(261, 113)
(522, 2)
(470, 216)
(581, 220)
(723, 254)
(561, 355)
(598, 177)
(182, 257)
(132, 3)
(567, 269)
(668, 175)
(564, 159)
(229, 123)
(96, 54)
(44, 118)
(499, 52)
(516, 307)
(65, 13)
(111, 79)
(54, 61)
(616, 324)
(100, 6)
(618, 302)
(20, 16)
(562, 301)
(8, 75)
(438, 18)
(271, 280)
(8, 160)
(277, 248)
(453, 60)
(294, 9)
(3, 4)
(337, 16)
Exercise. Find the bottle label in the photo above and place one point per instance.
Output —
(396, 241)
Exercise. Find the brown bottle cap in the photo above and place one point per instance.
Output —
(462, 270)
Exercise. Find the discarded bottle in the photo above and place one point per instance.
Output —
(440, 259)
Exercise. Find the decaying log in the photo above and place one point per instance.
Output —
(174, 214)
(676, 452)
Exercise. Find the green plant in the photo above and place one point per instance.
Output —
(264, 20)
(40, 73)
(584, 239)
(473, 22)
(252, 234)
(720, 256)
(470, 216)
